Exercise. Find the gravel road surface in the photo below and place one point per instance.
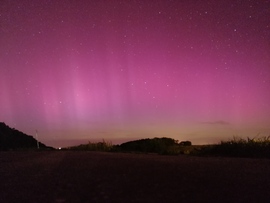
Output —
(77, 176)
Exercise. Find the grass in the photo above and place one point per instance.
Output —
(239, 147)
(104, 146)
(235, 147)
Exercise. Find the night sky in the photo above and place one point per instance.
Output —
(120, 70)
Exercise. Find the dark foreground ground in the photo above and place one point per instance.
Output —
(66, 176)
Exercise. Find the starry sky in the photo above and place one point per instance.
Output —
(120, 70)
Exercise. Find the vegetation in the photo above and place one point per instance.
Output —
(165, 146)
(99, 146)
(238, 147)
(12, 139)
(156, 145)
(185, 143)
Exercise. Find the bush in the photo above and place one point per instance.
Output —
(238, 147)
(156, 145)
(98, 146)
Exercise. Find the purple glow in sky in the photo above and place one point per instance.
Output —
(121, 70)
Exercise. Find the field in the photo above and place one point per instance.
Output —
(81, 176)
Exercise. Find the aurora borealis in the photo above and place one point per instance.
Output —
(119, 70)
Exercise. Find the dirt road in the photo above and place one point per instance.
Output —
(66, 176)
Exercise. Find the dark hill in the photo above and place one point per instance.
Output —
(11, 139)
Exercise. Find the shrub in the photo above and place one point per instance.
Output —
(98, 146)
(238, 147)
(156, 145)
